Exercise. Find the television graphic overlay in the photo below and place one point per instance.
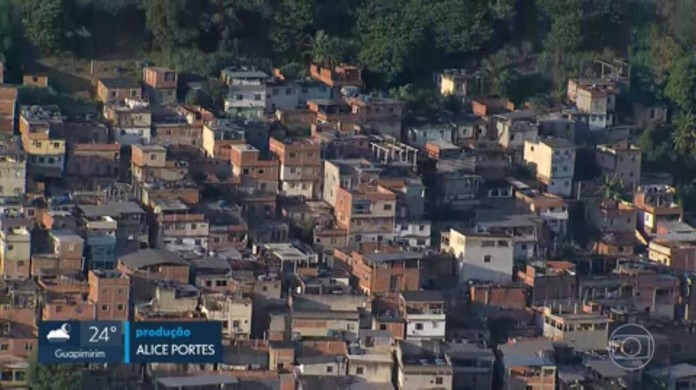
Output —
(76, 342)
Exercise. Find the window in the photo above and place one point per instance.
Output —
(153, 157)
(292, 155)
(487, 258)
(329, 369)
(502, 243)
(419, 326)
(439, 380)
(4, 347)
(235, 324)
(10, 247)
(119, 307)
(105, 307)
(359, 370)
(239, 97)
(387, 207)
(382, 327)
(221, 283)
(257, 96)
(288, 91)
(487, 244)
(275, 91)
(28, 346)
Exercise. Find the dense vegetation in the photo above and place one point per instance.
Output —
(54, 376)
(523, 48)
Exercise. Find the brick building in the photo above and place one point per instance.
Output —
(367, 213)
(118, 88)
(255, 170)
(8, 108)
(387, 271)
(110, 290)
(94, 160)
(300, 167)
(549, 280)
(160, 85)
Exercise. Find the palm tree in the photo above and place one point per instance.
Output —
(325, 50)
(610, 188)
(684, 136)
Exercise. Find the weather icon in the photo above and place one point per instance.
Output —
(59, 335)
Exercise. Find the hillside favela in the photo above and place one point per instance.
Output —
(347, 194)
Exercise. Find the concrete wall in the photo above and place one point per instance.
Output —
(492, 262)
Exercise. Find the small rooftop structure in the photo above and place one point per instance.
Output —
(534, 353)
(379, 257)
(111, 209)
(422, 296)
(119, 82)
(39, 114)
(149, 257)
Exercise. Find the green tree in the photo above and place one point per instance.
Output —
(210, 97)
(173, 23)
(406, 41)
(10, 47)
(686, 196)
(497, 73)
(293, 70)
(389, 34)
(421, 100)
(566, 17)
(657, 146)
(46, 23)
(325, 50)
(684, 136)
(664, 51)
(681, 83)
(291, 28)
(684, 22)
(459, 26)
(610, 188)
(53, 376)
(7, 26)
